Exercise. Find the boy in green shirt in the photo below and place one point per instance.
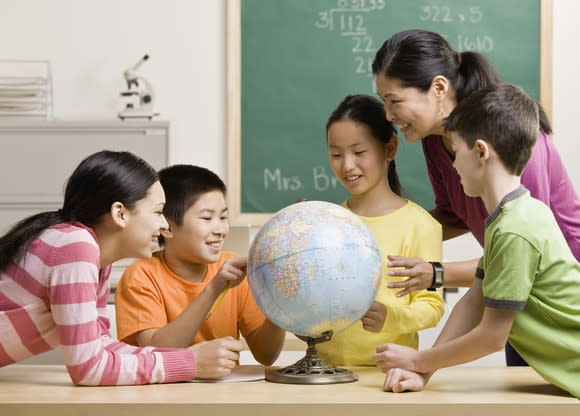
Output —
(528, 281)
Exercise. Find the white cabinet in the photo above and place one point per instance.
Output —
(36, 157)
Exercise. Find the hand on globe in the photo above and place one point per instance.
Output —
(374, 319)
(231, 274)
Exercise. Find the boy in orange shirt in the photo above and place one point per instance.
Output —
(165, 301)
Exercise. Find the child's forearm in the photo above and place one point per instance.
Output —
(425, 311)
(266, 342)
(488, 336)
(469, 347)
(464, 317)
(180, 332)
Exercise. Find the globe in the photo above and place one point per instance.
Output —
(314, 267)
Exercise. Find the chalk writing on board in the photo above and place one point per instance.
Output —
(347, 20)
(478, 43)
(444, 14)
(468, 16)
(275, 180)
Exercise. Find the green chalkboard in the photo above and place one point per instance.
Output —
(291, 62)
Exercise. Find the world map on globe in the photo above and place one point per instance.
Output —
(314, 267)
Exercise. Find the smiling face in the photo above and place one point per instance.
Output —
(416, 113)
(467, 164)
(357, 159)
(144, 224)
(205, 226)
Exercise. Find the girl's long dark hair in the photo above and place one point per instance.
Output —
(415, 57)
(368, 111)
(99, 180)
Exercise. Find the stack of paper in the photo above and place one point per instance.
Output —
(25, 89)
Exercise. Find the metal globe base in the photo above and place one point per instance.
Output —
(311, 369)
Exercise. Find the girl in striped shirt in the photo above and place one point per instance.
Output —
(54, 279)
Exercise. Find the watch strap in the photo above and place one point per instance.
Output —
(438, 273)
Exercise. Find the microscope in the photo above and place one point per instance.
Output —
(138, 95)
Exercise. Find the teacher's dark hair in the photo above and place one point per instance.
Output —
(370, 112)
(415, 57)
(100, 180)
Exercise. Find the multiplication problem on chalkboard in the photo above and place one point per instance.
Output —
(445, 14)
(473, 15)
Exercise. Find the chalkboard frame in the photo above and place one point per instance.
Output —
(233, 89)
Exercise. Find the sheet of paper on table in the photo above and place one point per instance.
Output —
(239, 374)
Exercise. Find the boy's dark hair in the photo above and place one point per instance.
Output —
(370, 112)
(415, 57)
(98, 181)
(502, 115)
(183, 186)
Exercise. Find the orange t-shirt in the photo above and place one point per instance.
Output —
(150, 295)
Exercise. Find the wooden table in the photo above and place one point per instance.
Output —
(46, 390)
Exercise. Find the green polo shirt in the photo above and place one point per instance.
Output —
(527, 266)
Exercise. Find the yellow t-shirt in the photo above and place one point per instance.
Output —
(409, 231)
(150, 295)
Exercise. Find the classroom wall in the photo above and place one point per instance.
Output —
(90, 44)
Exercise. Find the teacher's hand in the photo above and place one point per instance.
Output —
(418, 271)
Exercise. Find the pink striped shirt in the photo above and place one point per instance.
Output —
(56, 297)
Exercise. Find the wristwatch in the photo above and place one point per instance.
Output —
(437, 275)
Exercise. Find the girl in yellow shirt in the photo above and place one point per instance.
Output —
(361, 148)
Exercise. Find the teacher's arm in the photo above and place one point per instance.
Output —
(419, 273)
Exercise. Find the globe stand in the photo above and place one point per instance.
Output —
(311, 369)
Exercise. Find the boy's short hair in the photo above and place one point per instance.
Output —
(502, 115)
(183, 186)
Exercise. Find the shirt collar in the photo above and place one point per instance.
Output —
(515, 194)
